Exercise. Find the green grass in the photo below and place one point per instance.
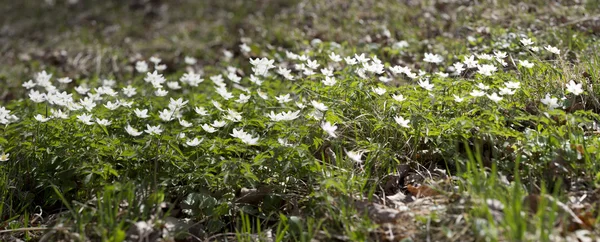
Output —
(513, 170)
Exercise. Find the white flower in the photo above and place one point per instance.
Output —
(312, 64)
(361, 58)
(355, 156)
(4, 156)
(191, 79)
(328, 72)
(153, 130)
(283, 98)
(477, 93)
(284, 142)
(245, 48)
(574, 88)
(244, 137)
(184, 123)
(458, 99)
(379, 90)
(262, 66)
(552, 49)
(402, 122)
(286, 73)
(433, 58)
(174, 85)
(458, 68)
(166, 115)
(319, 106)
(29, 84)
(177, 104)
(141, 113)
(526, 41)
(217, 105)
(506, 91)
(221, 90)
(155, 60)
(160, 67)
(329, 128)
(132, 131)
(82, 89)
(103, 122)
(535, 49)
(129, 91)
(41, 118)
(500, 55)
(350, 61)
(194, 142)
(190, 60)
(398, 98)
(233, 116)
(329, 81)
(525, 64)
(218, 123)
(141, 66)
(283, 116)
(36, 96)
(86, 119)
(58, 114)
(482, 86)
(494, 97)
(208, 128)
(486, 69)
(485, 56)
(64, 80)
(201, 111)
(425, 84)
(470, 61)
(513, 85)
(112, 106)
(334, 57)
(161, 93)
(551, 102)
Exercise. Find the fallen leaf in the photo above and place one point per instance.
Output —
(422, 191)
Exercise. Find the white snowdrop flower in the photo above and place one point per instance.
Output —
(433, 58)
(477, 93)
(132, 131)
(399, 97)
(334, 57)
(494, 97)
(402, 122)
(329, 128)
(283, 98)
(574, 88)
(379, 90)
(208, 128)
(141, 113)
(425, 84)
(190, 60)
(319, 106)
(161, 92)
(153, 130)
(329, 81)
(86, 119)
(458, 99)
(184, 123)
(41, 118)
(552, 49)
(486, 69)
(526, 64)
(550, 102)
(526, 41)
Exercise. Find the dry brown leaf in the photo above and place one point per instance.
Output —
(422, 191)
